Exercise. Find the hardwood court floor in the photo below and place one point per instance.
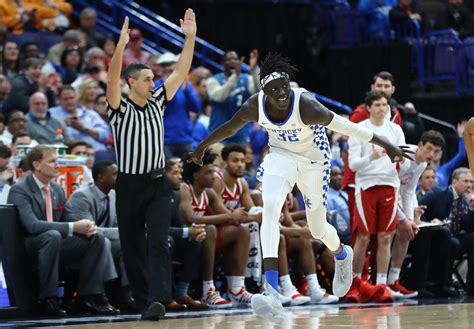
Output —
(450, 314)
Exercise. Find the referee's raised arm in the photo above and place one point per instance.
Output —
(115, 68)
(176, 79)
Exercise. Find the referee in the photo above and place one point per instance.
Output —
(143, 191)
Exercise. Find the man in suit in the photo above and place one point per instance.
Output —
(51, 240)
(96, 202)
(455, 205)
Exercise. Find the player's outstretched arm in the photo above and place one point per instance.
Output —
(313, 112)
(247, 113)
(115, 68)
(469, 142)
(176, 79)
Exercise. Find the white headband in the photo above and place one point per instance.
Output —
(273, 76)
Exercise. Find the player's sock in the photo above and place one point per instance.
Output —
(272, 279)
(393, 275)
(207, 285)
(341, 255)
(286, 284)
(381, 278)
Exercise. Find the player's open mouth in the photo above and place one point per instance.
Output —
(282, 99)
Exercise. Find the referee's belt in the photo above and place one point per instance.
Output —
(157, 173)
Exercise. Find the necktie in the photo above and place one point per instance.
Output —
(456, 221)
(48, 203)
(105, 212)
(343, 197)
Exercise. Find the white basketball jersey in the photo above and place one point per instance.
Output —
(292, 135)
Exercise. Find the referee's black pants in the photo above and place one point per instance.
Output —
(143, 214)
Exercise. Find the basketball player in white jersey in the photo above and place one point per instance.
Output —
(299, 153)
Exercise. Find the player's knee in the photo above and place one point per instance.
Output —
(211, 232)
(384, 238)
(243, 233)
(363, 238)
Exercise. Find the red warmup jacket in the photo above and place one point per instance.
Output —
(361, 114)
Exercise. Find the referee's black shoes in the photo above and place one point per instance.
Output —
(155, 311)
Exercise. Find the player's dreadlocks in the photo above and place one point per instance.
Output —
(275, 62)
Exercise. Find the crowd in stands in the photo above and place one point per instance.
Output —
(382, 16)
(422, 207)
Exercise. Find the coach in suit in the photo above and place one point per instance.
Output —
(452, 204)
(51, 240)
(96, 202)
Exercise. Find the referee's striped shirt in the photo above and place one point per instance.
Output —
(139, 133)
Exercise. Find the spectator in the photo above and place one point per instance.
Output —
(201, 125)
(199, 77)
(72, 38)
(87, 21)
(41, 125)
(338, 208)
(71, 64)
(100, 106)
(134, 52)
(228, 90)
(403, 12)
(108, 46)
(5, 89)
(17, 18)
(26, 84)
(40, 203)
(96, 202)
(455, 204)
(79, 149)
(50, 80)
(21, 138)
(30, 49)
(178, 125)
(457, 17)
(50, 15)
(444, 171)
(90, 152)
(24, 169)
(82, 124)
(94, 67)
(15, 122)
(156, 68)
(10, 59)
(88, 91)
(426, 182)
(6, 173)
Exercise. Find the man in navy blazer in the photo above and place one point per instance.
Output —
(455, 204)
(53, 238)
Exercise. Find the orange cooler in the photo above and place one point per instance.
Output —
(70, 178)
